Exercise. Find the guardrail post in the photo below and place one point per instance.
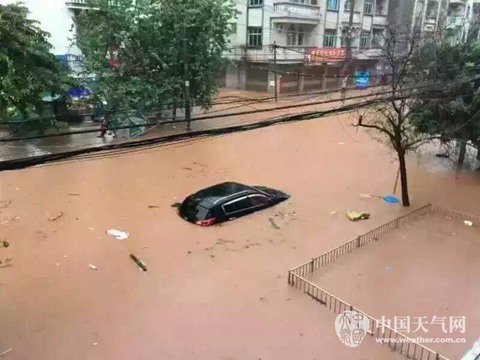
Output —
(358, 241)
(311, 265)
(437, 356)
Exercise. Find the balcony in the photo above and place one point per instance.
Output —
(76, 4)
(294, 12)
(380, 20)
(284, 55)
(431, 19)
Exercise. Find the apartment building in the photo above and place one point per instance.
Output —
(304, 41)
(56, 17)
(452, 19)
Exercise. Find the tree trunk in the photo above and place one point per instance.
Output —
(462, 153)
(478, 152)
(403, 178)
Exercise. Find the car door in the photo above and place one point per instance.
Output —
(237, 207)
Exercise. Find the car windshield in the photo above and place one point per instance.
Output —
(193, 211)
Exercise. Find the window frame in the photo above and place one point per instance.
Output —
(381, 38)
(259, 35)
(330, 2)
(233, 28)
(365, 36)
(349, 7)
(233, 202)
(368, 5)
(255, 3)
(261, 196)
(332, 35)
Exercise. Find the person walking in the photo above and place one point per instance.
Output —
(105, 125)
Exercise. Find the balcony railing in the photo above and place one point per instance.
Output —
(284, 54)
(76, 3)
(380, 20)
(296, 10)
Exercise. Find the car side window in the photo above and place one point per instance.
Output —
(258, 200)
(236, 205)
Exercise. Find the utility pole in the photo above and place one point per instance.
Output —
(275, 69)
(348, 52)
(186, 78)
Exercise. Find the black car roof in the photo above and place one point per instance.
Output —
(217, 193)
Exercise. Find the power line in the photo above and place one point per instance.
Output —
(42, 159)
(202, 118)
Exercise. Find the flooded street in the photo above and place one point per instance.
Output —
(209, 293)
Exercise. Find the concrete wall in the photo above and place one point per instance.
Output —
(55, 18)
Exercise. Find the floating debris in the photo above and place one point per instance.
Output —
(355, 216)
(118, 234)
(56, 217)
(92, 267)
(274, 224)
(391, 199)
(153, 206)
(468, 223)
(5, 244)
(6, 352)
(140, 263)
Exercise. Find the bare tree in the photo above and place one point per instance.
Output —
(392, 119)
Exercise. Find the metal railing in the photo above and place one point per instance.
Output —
(346, 248)
(76, 2)
(384, 334)
(454, 214)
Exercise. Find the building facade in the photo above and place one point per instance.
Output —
(303, 41)
(55, 17)
(281, 35)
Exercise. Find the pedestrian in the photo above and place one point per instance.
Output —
(105, 125)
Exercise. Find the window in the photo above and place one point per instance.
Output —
(295, 36)
(377, 40)
(348, 5)
(236, 205)
(255, 37)
(255, 3)
(368, 7)
(332, 5)
(329, 38)
(258, 200)
(365, 39)
(233, 28)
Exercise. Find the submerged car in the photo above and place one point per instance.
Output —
(227, 201)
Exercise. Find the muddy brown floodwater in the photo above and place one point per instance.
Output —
(209, 293)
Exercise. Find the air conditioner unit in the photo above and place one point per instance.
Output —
(429, 27)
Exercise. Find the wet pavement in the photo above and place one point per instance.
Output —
(209, 293)
(227, 103)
